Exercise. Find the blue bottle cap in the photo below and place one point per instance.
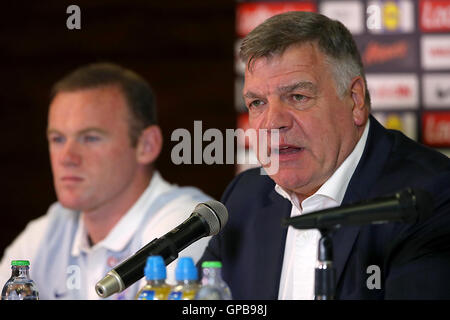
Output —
(155, 269)
(186, 269)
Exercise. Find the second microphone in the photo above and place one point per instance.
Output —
(207, 219)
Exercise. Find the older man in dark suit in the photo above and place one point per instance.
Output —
(304, 78)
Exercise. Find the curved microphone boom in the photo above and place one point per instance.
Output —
(408, 205)
(207, 219)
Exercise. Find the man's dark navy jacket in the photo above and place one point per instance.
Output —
(414, 259)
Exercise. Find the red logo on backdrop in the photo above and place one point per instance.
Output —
(440, 52)
(436, 128)
(249, 15)
(400, 91)
(380, 53)
(434, 15)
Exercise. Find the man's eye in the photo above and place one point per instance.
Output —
(91, 138)
(255, 103)
(299, 97)
(56, 139)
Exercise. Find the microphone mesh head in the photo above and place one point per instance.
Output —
(214, 213)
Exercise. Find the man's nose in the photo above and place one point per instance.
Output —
(277, 116)
(70, 155)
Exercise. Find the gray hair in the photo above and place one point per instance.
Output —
(279, 32)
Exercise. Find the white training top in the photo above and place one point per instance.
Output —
(64, 266)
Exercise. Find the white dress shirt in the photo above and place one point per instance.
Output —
(300, 255)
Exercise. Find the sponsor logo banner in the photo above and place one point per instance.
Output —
(434, 15)
(388, 53)
(393, 91)
(405, 122)
(436, 90)
(436, 128)
(435, 52)
(249, 15)
(350, 13)
(384, 16)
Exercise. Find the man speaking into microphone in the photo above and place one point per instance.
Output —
(304, 77)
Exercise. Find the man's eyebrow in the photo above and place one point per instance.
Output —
(250, 95)
(86, 130)
(52, 131)
(299, 85)
(289, 88)
(93, 129)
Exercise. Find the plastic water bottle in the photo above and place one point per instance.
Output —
(186, 276)
(213, 287)
(155, 274)
(20, 286)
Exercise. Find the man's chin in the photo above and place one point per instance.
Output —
(288, 180)
(72, 204)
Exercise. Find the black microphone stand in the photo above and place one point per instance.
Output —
(406, 206)
(324, 273)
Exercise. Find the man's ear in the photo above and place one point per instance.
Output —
(358, 94)
(149, 145)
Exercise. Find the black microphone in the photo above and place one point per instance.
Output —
(409, 205)
(207, 219)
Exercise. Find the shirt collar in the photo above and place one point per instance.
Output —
(334, 188)
(123, 231)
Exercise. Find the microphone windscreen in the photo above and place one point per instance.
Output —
(214, 213)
